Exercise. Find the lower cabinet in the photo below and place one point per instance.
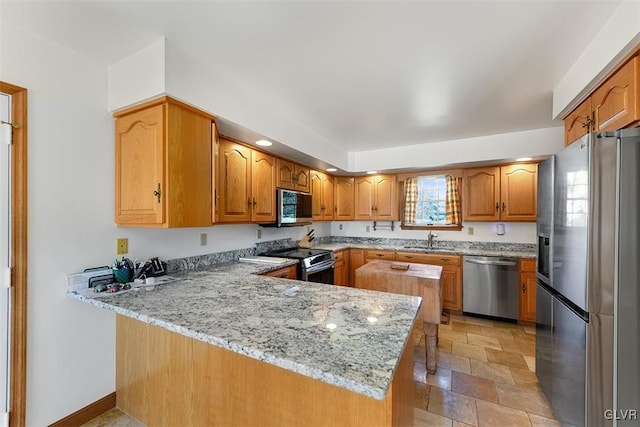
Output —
(342, 273)
(356, 260)
(527, 290)
(451, 275)
(288, 272)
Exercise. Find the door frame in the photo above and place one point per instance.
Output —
(18, 263)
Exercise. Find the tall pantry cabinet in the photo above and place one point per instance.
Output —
(163, 165)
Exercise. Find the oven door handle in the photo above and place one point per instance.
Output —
(325, 265)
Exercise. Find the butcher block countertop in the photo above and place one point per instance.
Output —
(320, 331)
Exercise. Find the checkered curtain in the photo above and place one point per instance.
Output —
(453, 200)
(410, 200)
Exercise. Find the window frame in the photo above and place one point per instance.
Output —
(401, 208)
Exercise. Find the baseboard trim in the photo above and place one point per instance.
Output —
(87, 413)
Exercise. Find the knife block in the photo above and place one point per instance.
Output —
(304, 243)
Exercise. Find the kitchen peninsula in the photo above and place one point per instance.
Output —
(225, 346)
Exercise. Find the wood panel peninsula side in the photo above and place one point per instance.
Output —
(231, 347)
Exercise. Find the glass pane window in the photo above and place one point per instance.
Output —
(432, 200)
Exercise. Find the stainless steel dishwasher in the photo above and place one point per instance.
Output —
(491, 286)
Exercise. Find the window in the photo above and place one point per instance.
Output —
(431, 202)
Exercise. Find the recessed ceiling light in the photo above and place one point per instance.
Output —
(331, 170)
(524, 159)
(372, 172)
(264, 143)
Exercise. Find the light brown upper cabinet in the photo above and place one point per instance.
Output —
(293, 176)
(615, 101)
(375, 198)
(163, 165)
(506, 193)
(344, 193)
(322, 196)
(246, 187)
(578, 123)
(613, 105)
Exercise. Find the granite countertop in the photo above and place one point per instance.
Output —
(343, 336)
(488, 250)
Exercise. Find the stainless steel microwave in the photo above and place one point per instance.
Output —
(293, 208)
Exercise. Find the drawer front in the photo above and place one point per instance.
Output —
(288, 272)
(435, 259)
(527, 264)
(389, 255)
(339, 255)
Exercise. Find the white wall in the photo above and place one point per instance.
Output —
(618, 36)
(191, 80)
(71, 345)
(524, 232)
(501, 147)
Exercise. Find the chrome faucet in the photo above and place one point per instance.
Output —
(430, 238)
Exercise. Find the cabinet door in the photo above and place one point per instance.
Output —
(235, 179)
(481, 200)
(263, 187)
(344, 198)
(385, 202)
(215, 179)
(356, 260)
(614, 102)
(139, 167)
(327, 198)
(286, 173)
(316, 195)
(576, 123)
(528, 290)
(451, 288)
(519, 192)
(302, 178)
(364, 198)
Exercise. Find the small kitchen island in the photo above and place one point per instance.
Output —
(228, 347)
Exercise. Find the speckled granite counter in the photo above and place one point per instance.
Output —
(518, 250)
(342, 336)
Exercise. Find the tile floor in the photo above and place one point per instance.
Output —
(485, 377)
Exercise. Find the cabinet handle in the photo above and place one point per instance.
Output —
(157, 193)
(249, 201)
(503, 206)
(294, 177)
(497, 207)
(408, 257)
(445, 259)
(524, 288)
(335, 209)
(254, 202)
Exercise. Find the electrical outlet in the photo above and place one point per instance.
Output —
(340, 227)
(258, 234)
(203, 239)
(470, 231)
(122, 246)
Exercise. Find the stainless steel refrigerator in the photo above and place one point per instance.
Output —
(588, 269)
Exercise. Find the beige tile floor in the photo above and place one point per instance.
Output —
(486, 377)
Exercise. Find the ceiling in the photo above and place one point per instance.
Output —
(364, 75)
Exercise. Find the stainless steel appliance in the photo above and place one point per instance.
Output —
(587, 322)
(490, 286)
(293, 208)
(316, 265)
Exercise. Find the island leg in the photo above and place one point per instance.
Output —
(430, 335)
